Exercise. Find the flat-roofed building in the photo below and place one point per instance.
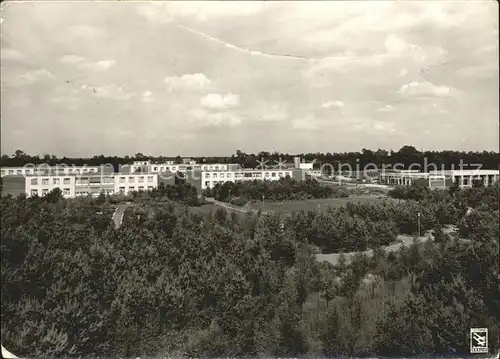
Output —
(40, 185)
(466, 178)
(72, 185)
(210, 178)
(440, 179)
(60, 169)
(125, 183)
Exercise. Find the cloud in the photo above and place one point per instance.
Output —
(36, 75)
(98, 65)
(215, 119)
(215, 101)
(72, 59)
(386, 108)
(112, 91)
(329, 104)
(305, 123)
(196, 10)
(187, 81)
(84, 63)
(147, 96)
(403, 72)
(274, 113)
(11, 54)
(425, 89)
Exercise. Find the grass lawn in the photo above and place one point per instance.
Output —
(311, 204)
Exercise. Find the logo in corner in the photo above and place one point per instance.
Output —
(478, 340)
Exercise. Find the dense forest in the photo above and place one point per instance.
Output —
(172, 282)
(406, 156)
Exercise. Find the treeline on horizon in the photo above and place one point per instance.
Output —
(406, 156)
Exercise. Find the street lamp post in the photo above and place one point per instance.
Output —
(229, 196)
(418, 219)
(262, 205)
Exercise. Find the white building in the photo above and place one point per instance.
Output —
(86, 184)
(439, 179)
(60, 169)
(41, 185)
(465, 178)
(210, 178)
(127, 183)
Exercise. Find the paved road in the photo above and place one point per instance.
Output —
(119, 213)
(7, 354)
(405, 240)
(231, 207)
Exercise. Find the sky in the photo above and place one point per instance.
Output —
(208, 78)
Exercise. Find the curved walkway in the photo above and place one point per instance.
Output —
(231, 207)
(119, 213)
(404, 240)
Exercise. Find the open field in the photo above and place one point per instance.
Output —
(313, 204)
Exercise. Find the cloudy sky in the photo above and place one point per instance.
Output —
(191, 78)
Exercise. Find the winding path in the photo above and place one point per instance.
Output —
(231, 207)
(404, 240)
(119, 213)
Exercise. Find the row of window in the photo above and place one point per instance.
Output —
(46, 181)
(47, 171)
(248, 174)
(138, 188)
(184, 168)
(140, 179)
(45, 191)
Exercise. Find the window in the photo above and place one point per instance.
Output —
(141, 179)
(131, 179)
(67, 181)
(122, 179)
(216, 168)
(56, 181)
(207, 183)
(211, 167)
(19, 172)
(66, 191)
(70, 170)
(156, 169)
(141, 188)
(150, 188)
(122, 189)
(273, 174)
(173, 168)
(45, 191)
(280, 174)
(288, 174)
(215, 175)
(34, 192)
(130, 189)
(207, 175)
(45, 181)
(34, 181)
(222, 175)
(162, 169)
(11, 172)
(150, 178)
(267, 174)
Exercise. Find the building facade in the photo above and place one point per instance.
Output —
(61, 169)
(440, 179)
(80, 185)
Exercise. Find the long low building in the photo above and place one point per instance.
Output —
(60, 169)
(440, 179)
(79, 185)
